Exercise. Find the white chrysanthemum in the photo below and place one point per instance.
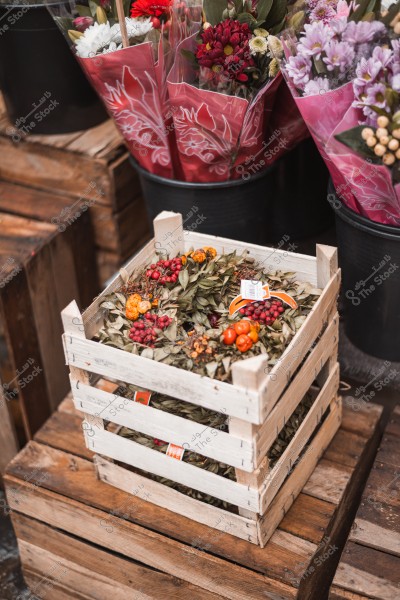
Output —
(95, 40)
(103, 38)
(138, 27)
(258, 45)
(275, 46)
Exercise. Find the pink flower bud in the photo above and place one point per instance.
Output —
(82, 23)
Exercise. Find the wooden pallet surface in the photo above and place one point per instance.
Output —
(370, 563)
(70, 499)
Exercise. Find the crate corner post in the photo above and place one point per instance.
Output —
(73, 326)
(327, 264)
(168, 233)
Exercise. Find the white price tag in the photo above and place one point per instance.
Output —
(251, 290)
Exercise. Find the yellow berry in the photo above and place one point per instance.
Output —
(379, 150)
(382, 121)
(144, 306)
(381, 132)
(384, 140)
(371, 141)
(393, 144)
(388, 158)
(366, 133)
(396, 133)
(398, 154)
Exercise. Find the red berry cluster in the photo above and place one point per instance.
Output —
(157, 442)
(165, 271)
(144, 330)
(265, 311)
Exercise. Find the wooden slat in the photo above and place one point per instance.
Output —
(304, 266)
(191, 387)
(370, 572)
(328, 481)
(282, 373)
(288, 492)
(141, 457)
(372, 535)
(161, 425)
(300, 440)
(166, 497)
(297, 389)
(68, 563)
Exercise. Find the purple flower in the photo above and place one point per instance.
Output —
(339, 55)
(383, 55)
(396, 56)
(338, 25)
(322, 12)
(363, 31)
(395, 83)
(376, 95)
(315, 38)
(299, 69)
(367, 71)
(319, 85)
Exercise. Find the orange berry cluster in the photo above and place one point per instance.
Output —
(244, 334)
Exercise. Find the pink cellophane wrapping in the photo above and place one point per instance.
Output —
(366, 188)
(132, 86)
(222, 137)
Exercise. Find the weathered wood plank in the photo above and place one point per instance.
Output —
(67, 562)
(370, 572)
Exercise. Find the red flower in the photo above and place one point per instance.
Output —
(225, 50)
(151, 8)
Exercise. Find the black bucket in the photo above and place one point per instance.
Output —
(44, 88)
(369, 255)
(285, 201)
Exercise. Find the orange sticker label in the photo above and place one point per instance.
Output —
(175, 451)
(142, 397)
(239, 302)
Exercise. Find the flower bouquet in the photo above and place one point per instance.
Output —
(187, 311)
(343, 69)
(127, 59)
(224, 87)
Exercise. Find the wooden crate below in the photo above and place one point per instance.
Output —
(370, 563)
(87, 168)
(41, 268)
(82, 538)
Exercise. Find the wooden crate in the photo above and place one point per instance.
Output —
(81, 538)
(370, 563)
(40, 270)
(258, 402)
(90, 167)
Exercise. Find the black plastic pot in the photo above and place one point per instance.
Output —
(38, 69)
(286, 201)
(369, 255)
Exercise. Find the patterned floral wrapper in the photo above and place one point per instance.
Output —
(364, 187)
(369, 185)
(132, 86)
(222, 137)
(131, 81)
